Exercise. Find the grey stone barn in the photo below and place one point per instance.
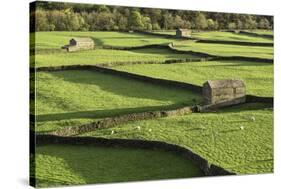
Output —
(224, 92)
(84, 43)
(183, 33)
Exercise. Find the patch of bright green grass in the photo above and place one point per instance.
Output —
(70, 98)
(239, 139)
(258, 77)
(226, 50)
(55, 40)
(70, 165)
(229, 36)
(99, 56)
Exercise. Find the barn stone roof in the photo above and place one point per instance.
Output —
(230, 83)
(82, 39)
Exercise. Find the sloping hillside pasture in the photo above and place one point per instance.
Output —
(70, 165)
(75, 97)
(239, 139)
(228, 138)
(258, 77)
(225, 49)
(229, 36)
(100, 56)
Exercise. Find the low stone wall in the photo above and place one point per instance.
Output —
(114, 121)
(135, 47)
(204, 165)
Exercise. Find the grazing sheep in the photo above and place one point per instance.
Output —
(253, 118)
(112, 132)
(149, 130)
(242, 127)
(138, 127)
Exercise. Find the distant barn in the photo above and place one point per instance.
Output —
(76, 44)
(183, 33)
(224, 92)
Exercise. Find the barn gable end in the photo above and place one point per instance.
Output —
(224, 92)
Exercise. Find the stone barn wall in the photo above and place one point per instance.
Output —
(224, 92)
(76, 44)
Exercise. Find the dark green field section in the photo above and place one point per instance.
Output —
(58, 165)
(258, 77)
(239, 139)
(69, 98)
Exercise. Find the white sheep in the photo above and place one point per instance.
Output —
(112, 132)
(242, 127)
(253, 118)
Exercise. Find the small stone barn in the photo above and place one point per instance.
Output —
(76, 44)
(183, 33)
(224, 92)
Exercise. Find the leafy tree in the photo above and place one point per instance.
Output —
(135, 20)
(201, 22)
(167, 21)
(232, 26)
(264, 24)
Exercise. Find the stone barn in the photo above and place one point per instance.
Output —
(183, 33)
(76, 44)
(224, 92)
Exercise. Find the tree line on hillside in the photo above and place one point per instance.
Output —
(54, 16)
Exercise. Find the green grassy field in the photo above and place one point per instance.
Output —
(258, 77)
(239, 139)
(55, 40)
(229, 36)
(99, 56)
(228, 137)
(58, 165)
(226, 50)
(76, 97)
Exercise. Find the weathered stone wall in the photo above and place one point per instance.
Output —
(114, 121)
